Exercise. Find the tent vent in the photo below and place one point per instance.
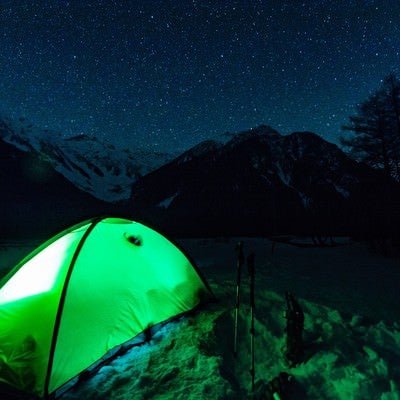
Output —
(135, 240)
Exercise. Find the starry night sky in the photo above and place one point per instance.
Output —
(169, 74)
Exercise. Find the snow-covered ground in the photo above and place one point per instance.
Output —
(352, 328)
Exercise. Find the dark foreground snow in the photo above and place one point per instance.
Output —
(352, 331)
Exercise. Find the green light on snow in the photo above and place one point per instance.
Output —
(39, 273)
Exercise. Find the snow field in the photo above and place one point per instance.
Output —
(351, 332)
(345, 358)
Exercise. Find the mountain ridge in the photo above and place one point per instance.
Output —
(259, 182)
(264, 182)
(95, 166)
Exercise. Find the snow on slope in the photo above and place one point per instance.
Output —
(94, 166)
(348, 355)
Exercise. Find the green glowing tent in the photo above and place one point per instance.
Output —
(85, 292)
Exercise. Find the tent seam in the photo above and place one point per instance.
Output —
(89, 230)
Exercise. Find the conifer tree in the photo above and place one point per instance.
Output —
(376, 128)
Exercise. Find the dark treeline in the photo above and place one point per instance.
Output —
(375, 141)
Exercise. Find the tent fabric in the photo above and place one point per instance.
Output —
(84, 292)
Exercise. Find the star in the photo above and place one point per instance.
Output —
(141, 73)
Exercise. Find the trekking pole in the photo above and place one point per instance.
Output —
(251, 268)
(294, 331)
(240, 262)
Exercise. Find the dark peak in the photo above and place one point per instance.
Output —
(308, 139)
(309, 144)
(206, 145)
(199, 149)
(306, 135)
(262, 132)
(265, 130)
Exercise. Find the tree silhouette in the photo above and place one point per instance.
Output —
(376, 127)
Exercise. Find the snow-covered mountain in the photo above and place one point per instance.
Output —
(261, 181)
(37, 201)
(95, 166)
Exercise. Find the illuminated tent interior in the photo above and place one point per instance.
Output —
(83, 294)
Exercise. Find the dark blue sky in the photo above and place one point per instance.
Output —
(172, 73)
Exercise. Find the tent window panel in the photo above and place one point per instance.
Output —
(42, 272)
(29, 304)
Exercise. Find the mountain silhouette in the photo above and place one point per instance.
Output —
(262, 182)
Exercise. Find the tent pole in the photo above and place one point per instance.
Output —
(61, 305)
(251, 268)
